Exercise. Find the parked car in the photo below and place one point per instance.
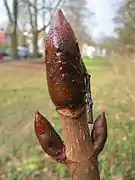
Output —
(23, 51)
(3, 54)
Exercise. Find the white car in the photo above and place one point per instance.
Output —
(23, 51)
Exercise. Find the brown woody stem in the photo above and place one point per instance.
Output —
(79, 148)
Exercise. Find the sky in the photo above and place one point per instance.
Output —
(104, 12)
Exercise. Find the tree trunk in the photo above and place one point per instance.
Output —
(14, 35)
(13, 23)
(35, 45)
(14, 44)
(35, 38)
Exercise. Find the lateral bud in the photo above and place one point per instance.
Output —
(49, 139)
(99, 134)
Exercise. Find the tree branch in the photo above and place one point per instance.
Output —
(51, 16)
(8, 11)
(15, 12)
(30, 15)
(133, 21)
(42, 8)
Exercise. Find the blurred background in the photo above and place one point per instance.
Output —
(106, 34)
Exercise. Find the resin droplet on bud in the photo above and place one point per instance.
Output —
(49, 139)
(99, 134)
(64, 68)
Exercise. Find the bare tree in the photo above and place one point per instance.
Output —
(39, 9)
(49, 8)
(79, 15)
(13, 17)
(23, 23)
(125, 25)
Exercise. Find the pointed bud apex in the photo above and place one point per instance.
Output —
(49, 139)
(64, 69)
(99, 134)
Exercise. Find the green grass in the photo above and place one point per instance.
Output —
(23, 90)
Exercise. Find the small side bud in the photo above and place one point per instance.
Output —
(49, 139)
(99, 134)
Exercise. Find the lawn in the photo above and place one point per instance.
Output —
(23, 90)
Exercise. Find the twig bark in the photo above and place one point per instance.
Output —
(78, 144)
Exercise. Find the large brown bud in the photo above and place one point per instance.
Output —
(64, 69)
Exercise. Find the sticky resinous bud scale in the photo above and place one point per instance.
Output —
(99, 134)
(64, 69)
(49, 139)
